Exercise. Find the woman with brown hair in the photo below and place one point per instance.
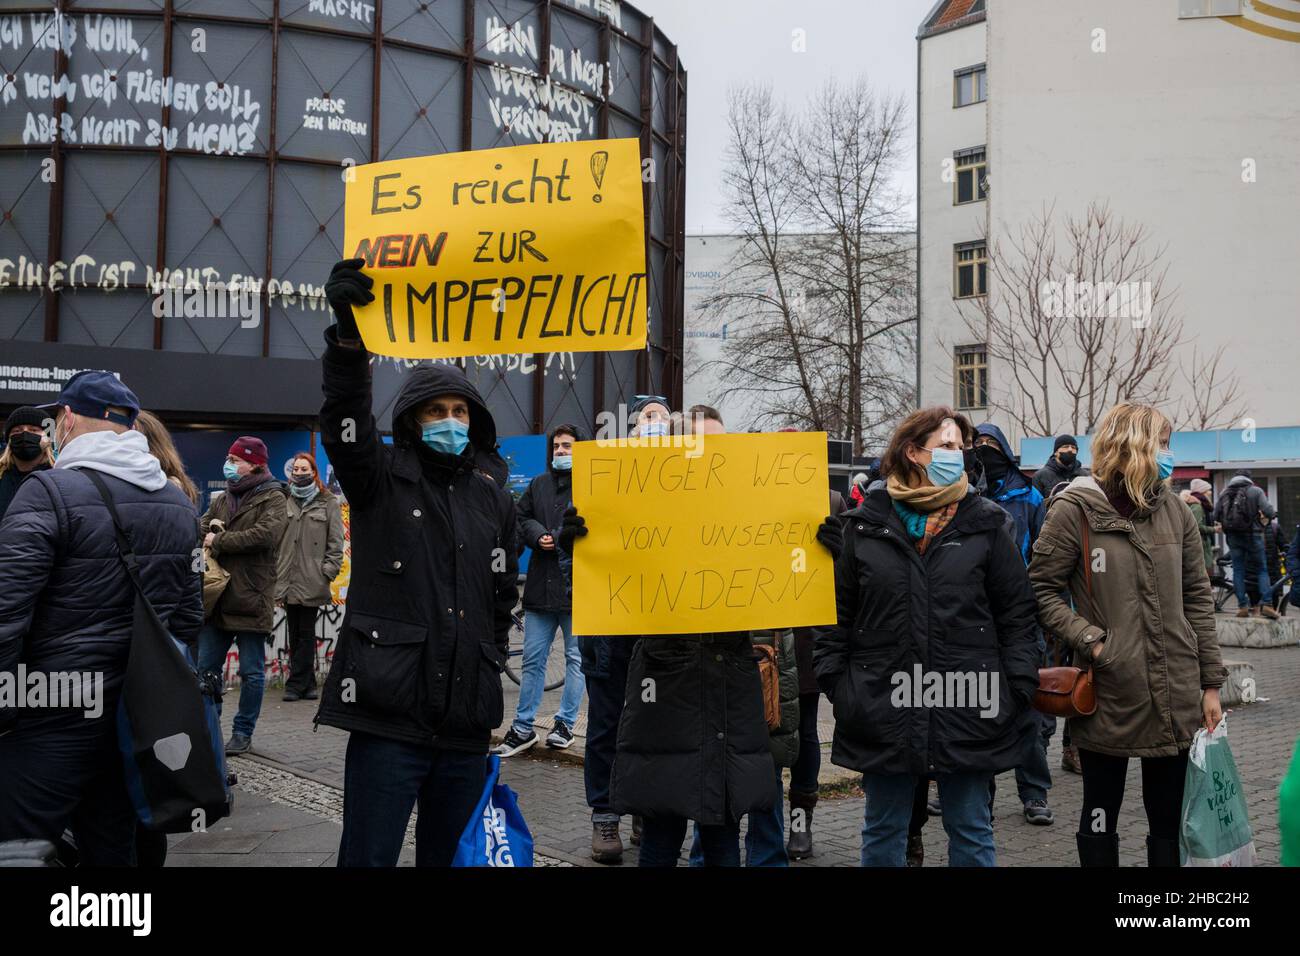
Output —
(1129, 553)
(934, 660)
(310, 556)
(163, 448)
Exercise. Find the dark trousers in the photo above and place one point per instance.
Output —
(604, 665)
(1103, 792)
(67, 774)
(803, 775)
(384, 779)
(300, 621)
(662, 836)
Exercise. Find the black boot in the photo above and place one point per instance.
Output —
(1098, 849)
(1162, 851)
(800, 846)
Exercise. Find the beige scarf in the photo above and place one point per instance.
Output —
(928, 497)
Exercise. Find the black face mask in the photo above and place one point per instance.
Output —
(973, 466)
(302, 481)
(25, 446)
(995, 463)
(1067, 458)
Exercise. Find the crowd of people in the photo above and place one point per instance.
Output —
(948, 561)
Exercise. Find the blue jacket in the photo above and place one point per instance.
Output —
(1017, 495)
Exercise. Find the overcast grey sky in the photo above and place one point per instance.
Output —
(726, 42)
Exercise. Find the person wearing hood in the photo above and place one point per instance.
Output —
(1008, 486)
(242, 529)
(1239, 511)
(1062, 468)
(416, 677)
(1005, 484)
(1139, 610)
(548, 601)
(931, 595)
(310, 557)
(25, 451)
(66, 607)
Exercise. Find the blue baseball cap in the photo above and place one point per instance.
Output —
(92, 393)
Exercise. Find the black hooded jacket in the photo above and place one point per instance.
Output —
(434, 568)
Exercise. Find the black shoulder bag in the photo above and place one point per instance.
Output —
(168, 731)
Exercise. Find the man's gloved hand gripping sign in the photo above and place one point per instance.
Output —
(502, 251)
(701, 534)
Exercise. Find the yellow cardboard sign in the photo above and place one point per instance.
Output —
(502, 251)
(701, 534)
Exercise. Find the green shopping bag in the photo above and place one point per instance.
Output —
(1215, 830)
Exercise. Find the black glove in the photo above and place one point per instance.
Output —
(572, 527)
(831, 536)
(348, 286)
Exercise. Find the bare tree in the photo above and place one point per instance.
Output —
(825, 278)
(1079, 327)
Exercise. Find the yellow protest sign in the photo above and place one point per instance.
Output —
(701, 534)
(502, 251)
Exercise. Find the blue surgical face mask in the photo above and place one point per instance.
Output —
(447, 435)
(231, 471)
(654, 430)
(1165, 462)
(562, 462)
(946, 466)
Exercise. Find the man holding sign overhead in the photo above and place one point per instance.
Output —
(695, 531)
(416, 679)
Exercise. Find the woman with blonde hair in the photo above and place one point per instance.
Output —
(163, 448)
(26, 450)
(1129, 553)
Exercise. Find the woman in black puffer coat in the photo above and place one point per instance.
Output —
(929, 584)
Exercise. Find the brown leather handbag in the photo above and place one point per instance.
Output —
(1069, 691)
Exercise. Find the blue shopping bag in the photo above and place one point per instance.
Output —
(497, 834)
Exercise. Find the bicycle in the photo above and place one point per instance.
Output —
(555, 662)
(1223, 588)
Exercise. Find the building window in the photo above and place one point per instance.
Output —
(972, 270)
(972, 172)
(972, 376)
(971, 86)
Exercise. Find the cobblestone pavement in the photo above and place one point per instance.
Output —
(551, 795)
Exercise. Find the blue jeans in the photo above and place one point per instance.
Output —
(383, 780)
(1247, 550)
(1033, 777)
(214, 642)
(661, 842)
(764, 840)
(539, 632)
(965, 801)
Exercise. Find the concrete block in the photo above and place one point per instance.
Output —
(1257, 631)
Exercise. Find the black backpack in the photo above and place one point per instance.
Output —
(1237, 516)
